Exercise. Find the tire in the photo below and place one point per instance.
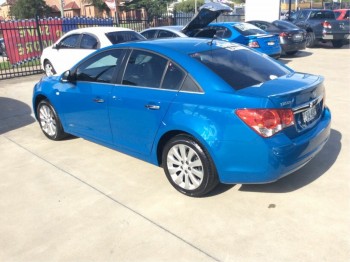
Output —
(49, 70)
(310, 39)
(337, 43)
(49, 122)
(188, 166)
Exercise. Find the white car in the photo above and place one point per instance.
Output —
(163, 32)
(78, 43)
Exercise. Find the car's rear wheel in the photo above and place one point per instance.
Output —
(188, 166)
(49, 121)
(49, 70)
(337, 43)
(310, 39)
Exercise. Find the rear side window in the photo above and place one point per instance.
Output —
(173, 77)
(165, 34)
(88, 42)
(240, 67)
(123, 36)
(150, 34)
(144, 69)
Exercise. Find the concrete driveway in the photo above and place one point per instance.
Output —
(74, 200)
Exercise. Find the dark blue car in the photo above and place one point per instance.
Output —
(205, 110)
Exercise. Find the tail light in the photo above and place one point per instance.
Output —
(284, 34)
(254, 44)
(326, 24)
(266, 122)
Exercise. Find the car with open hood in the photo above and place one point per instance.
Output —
(238, 32)
(205, 110)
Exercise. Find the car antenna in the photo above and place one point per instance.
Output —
(211, 41)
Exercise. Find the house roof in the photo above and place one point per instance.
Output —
(71, 5)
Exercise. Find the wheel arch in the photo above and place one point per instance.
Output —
(36, 102)
(172, 133)
(164, 139)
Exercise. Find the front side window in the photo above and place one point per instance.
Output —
(101, 67)
(144, 69)
(70, 41)
(240, 67)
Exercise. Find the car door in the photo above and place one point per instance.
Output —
(149, 85)
(87, 96)
(71, 50)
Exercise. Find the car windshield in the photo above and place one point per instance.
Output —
(248, 29)
(284, 25)
(240, 67)
(123, 36)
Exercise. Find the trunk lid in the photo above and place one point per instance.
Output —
(303, 93)
(207, 13)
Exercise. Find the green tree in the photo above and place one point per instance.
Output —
(188, 6)
(154, 8)
(26, 9)
(99, 4)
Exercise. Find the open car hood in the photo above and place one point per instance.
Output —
(207, 13)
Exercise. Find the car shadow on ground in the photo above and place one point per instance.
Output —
(285, 59)
(14, 114)
(307, 174)
(304, 176)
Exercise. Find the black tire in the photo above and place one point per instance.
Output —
(337, 43)
(291, 53)
(49, 69)
(310, 39)
(49, 121)
(188, 166)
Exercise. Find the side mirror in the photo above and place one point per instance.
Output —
(68, 77)
(57, 46)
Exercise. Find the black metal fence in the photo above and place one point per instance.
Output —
(22, 41)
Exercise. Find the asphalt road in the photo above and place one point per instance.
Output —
(74, 200)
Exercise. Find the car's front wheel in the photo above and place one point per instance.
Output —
(49, 70)
(188, 166)
(49, 121)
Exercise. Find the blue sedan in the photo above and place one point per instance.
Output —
(205, 110)
(244, 33)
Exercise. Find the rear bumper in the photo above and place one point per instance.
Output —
(267, 160)
(292, 46)
(327, 36)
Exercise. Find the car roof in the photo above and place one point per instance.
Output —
(185, 45)
(168, 27)
(98, 30)
(176, 29)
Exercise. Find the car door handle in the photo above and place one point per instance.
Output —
(152, 107)
(99, 100)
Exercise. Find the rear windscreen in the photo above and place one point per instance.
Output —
(241, 67)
